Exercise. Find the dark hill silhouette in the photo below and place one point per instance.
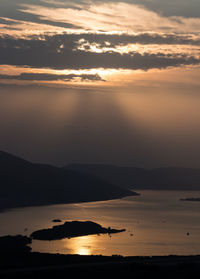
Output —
(172, 178)
(18, 261)
(28, 184)
(14, 245)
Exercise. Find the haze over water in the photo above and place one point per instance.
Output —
(158, 220)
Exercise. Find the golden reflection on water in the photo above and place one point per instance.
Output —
(80, 245)
(156, 223)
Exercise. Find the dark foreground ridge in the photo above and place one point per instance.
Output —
(26, 184)
(19, 262)
(72, 229)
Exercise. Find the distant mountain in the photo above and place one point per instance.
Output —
(171, 178)
(123, 176)
(27, 184)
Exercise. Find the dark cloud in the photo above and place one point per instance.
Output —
(7, 22)
(117, 39)
(60, 52)
(11, 9)
(141, 38)
(51, 77)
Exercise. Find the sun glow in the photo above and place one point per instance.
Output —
(81, 245)
(108, 75)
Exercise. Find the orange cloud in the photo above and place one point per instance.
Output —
(114, 17)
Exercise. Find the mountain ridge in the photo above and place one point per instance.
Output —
(30, 184)
(162, 178)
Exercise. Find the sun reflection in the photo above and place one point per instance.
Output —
(81, 245)
(83, 251)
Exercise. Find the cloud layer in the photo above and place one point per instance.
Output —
(64, 52)
(51, 77)
(86, 35)
(117, 16)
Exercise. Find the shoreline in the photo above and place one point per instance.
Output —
(6, 208)
(18, 261)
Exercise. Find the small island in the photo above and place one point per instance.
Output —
(57, 221)
(191, 199)
(72, 229)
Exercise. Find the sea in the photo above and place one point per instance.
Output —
(157, 223)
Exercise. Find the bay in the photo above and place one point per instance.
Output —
(156, 223)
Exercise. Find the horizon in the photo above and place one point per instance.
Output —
(97, 164)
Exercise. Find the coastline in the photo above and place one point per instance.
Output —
(8, 208)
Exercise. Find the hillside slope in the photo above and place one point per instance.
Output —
(26, 184)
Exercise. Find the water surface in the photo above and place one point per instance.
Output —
(156, 223)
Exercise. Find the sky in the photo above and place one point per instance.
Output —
(110, 82)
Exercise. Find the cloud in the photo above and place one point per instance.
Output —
(179, 7)
(61, 52)
(21, 28)
(113, 16)
(97, 34)
(141, 38)
(51, 77)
